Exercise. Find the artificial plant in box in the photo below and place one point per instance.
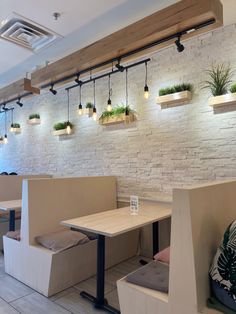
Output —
(218, 82)
(15, 128)
(89, 109)
(34, 119)
(233, 88)
(63, 128)
(118, 114)
(175, 95)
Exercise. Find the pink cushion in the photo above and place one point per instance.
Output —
(163, 256)
(14, 235)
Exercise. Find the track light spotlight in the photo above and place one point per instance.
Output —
(78, 81)
(19, 103)
(180, 47)
(119, 67)
(52, 90)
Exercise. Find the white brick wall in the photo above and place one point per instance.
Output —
(162, 150)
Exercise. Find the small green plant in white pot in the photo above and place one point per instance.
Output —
(34, 119)
(175, 95)
(15, 128)
(63, 128)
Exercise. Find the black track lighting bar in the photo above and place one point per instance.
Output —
(15, 99)
(133, 52)
(108, 73)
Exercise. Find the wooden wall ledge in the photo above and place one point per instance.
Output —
(176, 18)
(17, 89)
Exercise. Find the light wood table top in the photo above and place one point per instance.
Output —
(10, 205)
(117, 221)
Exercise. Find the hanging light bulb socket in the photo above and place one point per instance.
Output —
(146, 89)
(127, 95)
(80, 108)
(109, 105)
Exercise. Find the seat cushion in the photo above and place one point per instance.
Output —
(154, 275)
(61, 240)
(14, 235)
(223, 269)
(163, 256)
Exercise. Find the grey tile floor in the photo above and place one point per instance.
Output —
(15, 297)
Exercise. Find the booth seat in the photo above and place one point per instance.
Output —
(11, 189)
(199, 218)
(45, 204)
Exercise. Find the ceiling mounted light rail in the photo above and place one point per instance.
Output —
(163, 28)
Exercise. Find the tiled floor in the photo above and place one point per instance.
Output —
(15, 297)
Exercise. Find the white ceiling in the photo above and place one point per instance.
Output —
(81, 23)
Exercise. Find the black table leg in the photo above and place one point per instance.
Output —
(12, 220)
(100, 302)
(155, 237)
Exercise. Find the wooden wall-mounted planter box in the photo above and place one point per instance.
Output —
(34, 121)
(61, 132)
(15, 130)
(117, 119)
(176, 99)
(223, 100)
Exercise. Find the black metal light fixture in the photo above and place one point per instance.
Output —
(52, 90)
(146, 89)
(77, 80)
(127, 95)
(80, 109)
(68, 128)
(5, 140)
(94, 101)
(109, 105)
(180, 47)
(19, 103)
(119, 66)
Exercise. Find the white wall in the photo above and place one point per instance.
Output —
(162, 150)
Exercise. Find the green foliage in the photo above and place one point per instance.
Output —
(62, 125)
(15, 125)
(220, 77)
(34, 116)
(89, 105)
(176, 89)
(116, 111)
(233, 88)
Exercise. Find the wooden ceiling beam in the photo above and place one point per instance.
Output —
(17, 89)
(174, 19)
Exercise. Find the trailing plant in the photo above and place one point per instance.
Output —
(233, 88)
(220, 77)
(176, 89)
(116, 111)
(15, 125)
(89, 105)
(62, 125)
(34, 116)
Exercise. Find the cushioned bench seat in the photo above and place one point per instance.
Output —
(154, 275)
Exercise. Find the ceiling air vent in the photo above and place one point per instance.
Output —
(26, 33)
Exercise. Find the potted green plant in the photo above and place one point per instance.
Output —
(15, 128)
(219, 80)
(34, 119)
(119, 114)
(63, 128)
(175, 95)
(89, 109)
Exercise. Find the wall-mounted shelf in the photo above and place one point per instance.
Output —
(34, 121)
(122, 118)
(223, 100)
(176, 99)
(62, 132)
(15, 130)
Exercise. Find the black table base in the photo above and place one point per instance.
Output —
(100, 302)
(12, 220)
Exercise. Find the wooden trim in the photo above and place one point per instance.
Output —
(15, 130)
(223, 100)
(178, 17)
(175, 99)
(17, 89)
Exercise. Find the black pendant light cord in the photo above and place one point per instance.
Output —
(80, 92)
(109, 87)
(12, 118)
(146, 74)
(94, 93)
(5, 123)
(68, 106)
(127, 95)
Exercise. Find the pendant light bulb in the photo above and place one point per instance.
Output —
(68, 128)
(94, 114)
(5, 141)
(146, 92)
(80, 110)
(109, 106)
(11, 128)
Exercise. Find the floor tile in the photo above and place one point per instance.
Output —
(5, 308)
(113, 299)
(89, 286)
(62, 293)
(74, 303)
(37, 304)
(12, 289)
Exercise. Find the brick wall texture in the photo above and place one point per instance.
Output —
(164, 149)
